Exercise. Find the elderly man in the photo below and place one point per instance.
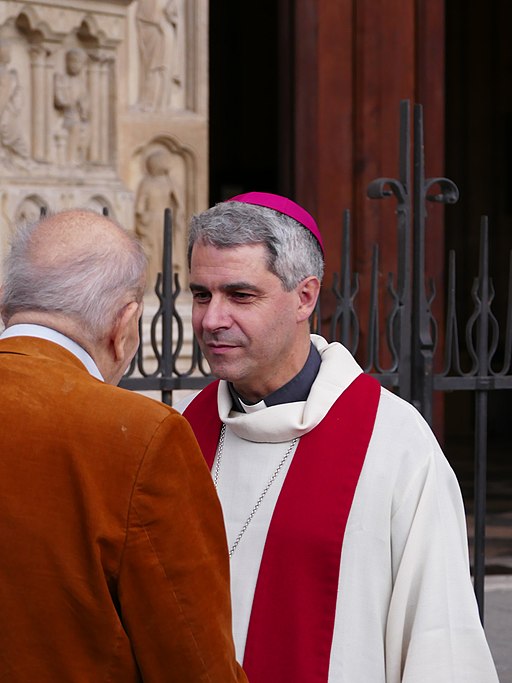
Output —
(345, 522)
(114, 561)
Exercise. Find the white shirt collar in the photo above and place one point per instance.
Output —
(43, 332)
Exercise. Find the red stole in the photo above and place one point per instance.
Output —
(292, 618)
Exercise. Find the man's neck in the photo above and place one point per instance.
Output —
(297, 389)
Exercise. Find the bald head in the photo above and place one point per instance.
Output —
(77, 265)
(74, 235)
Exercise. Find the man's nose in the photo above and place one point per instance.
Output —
(217, 315)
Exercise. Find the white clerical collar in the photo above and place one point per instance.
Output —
(253, 407)
(43, 332)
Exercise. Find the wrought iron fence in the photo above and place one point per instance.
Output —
(411, 336)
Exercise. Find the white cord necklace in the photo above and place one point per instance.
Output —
(220, 449)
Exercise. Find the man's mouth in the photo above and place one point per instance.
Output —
(219, 346)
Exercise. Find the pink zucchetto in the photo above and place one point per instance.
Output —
(283, 205)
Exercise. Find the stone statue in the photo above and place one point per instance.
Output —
(176, 52)
(11, 103)
(71, 99)
(160, 37)
(155, 194)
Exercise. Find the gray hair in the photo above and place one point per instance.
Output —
(88, 283)
(293, 252)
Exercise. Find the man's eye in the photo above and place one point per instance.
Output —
(242, 296)
(201, 296)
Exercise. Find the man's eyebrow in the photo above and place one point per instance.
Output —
(232, 286)
(229, 287)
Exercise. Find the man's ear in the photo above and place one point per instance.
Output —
(308, 291)
(123, 332)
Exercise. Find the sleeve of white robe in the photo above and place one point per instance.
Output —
(433, 631)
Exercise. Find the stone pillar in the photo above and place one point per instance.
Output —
(48, 107)
(94, 89)
(104, 112)
(39, 98)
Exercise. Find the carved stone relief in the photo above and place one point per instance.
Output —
(58, 110)
(13, 140)
(71, 99)
(162, 47)
(101, 204)
(82, 115)
(104, 105)
(29, 209)
(163, 185)
(63, 88)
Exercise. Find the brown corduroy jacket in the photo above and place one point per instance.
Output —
(113, 559)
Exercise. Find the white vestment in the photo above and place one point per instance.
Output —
(406, 610)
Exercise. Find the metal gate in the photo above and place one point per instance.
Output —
(410, 330)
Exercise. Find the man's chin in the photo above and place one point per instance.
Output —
(218, 367)
(221, 372)
(224, 370)
(221, 360)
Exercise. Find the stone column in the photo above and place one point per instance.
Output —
(104, 118)
(49, 111)
(94, 90)
(39, 98)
